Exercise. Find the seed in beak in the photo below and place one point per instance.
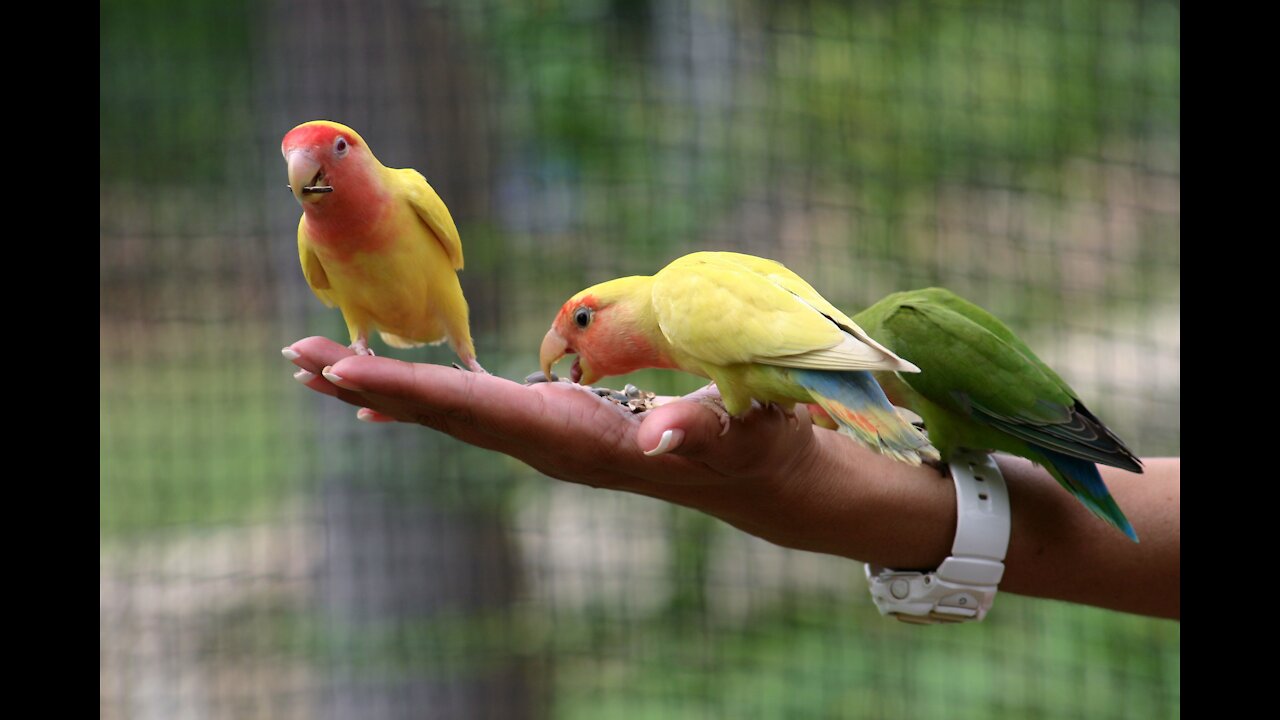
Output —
(315, 186)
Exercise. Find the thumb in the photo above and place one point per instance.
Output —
(758, 443)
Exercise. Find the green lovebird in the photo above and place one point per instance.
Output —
(981, 388)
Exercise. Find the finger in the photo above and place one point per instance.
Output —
(315, 382)
(373, 416)
(580, 437)
(314, 353)
(547, 412)
(498, 404)
(759, 443)
(561, 429)
(377, 409)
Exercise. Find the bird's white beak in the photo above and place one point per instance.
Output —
(305, 173)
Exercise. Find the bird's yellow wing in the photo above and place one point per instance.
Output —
(427, 204)
(312, 270)
(782, 276)
(725, 309)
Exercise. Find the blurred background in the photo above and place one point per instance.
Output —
(264, 555)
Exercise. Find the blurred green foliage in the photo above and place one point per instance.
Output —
(893, 97)
(804, 661)
(175, 91)
(187, 442)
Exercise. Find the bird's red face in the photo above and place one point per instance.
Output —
(320, 155)
(574, 331)
(607, 328)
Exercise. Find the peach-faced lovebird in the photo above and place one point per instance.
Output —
(377, 242)
(981, 388)
(751, 325)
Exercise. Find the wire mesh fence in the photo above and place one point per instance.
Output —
(263, 555)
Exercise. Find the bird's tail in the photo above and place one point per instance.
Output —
(855, 401)
(1081, 478)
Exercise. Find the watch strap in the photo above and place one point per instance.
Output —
(963, 587)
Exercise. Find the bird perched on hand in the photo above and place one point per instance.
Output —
(981, 388)
(751, 325)
(377, 242)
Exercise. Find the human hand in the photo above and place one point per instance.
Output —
(560, 428)
(764, 475)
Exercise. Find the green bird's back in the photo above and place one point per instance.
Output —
(980, 387)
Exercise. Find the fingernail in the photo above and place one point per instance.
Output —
(337, 379)
(670, 440)
(289, 353)
(304, 376)
(372, 416)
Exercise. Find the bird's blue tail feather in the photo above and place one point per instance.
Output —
(858, 405)
(1082, 479)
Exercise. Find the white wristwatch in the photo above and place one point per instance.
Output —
(964, 585)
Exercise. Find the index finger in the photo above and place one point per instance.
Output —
(548, 411)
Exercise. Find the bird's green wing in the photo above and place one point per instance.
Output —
(951, 301)
(428, 205)
(312, 270)
(971, 363)
(725, 312)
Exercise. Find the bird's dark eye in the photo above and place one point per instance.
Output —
(340, 146)
(582, 317)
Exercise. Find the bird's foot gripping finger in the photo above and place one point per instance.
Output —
(788, 411)
(717, 406)
(474, 366)
(709, 396)
(361, 347)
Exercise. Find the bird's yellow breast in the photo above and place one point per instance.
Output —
(398, 281)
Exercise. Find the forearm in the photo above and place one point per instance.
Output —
(1059, 550)
(847, 501)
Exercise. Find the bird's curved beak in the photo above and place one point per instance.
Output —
(553, 348)
(305, 175)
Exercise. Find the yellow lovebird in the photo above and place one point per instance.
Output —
(377, 242)
(754, 327)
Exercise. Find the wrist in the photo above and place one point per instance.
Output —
(864, 506)
(964, 586)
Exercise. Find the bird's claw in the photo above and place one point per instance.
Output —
(788, 412)
(716, 406)
(709, 396)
